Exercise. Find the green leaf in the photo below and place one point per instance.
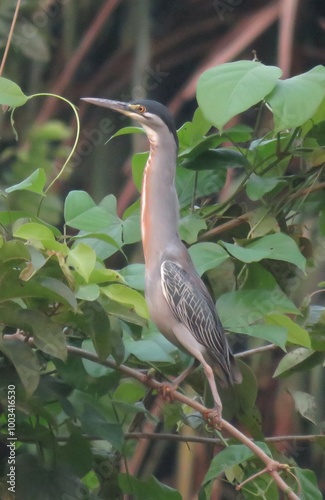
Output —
(147, 490)
(88, 292)
(298, 360)
(305, 404)
(296, 334)
(139, 161)
(208, 182)
(34, 182)
(274, 334)
(76, 454)
(153, 347)
(294, 101)
(12, 250)
(308, 483)
(127, 131)
(58, 289)
(130, 392)
(83, 259)
(134, 276)
(48, 335)
(98, 327)
(131, 228)
(125, 295)
(251, 306)
(207, 256)
(81, 212)
(96, 424)
(258, 186)
(192, 132)
(190, 226)
(11, 287)
(228, 89)
(229, 457)
(277, 246)
(11, 94)
(34, 231)
(215, 159)
(24, 361)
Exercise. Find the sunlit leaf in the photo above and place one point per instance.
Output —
(295, 100)
(83, 259)
(11, 94)
(228, 89)
(35, 183)
(296, 334)
(125, 295)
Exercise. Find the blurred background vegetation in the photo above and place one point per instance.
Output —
(125, 49)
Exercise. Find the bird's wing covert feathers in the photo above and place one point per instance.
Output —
(192, 305)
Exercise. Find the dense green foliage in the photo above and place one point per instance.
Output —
(56, 290)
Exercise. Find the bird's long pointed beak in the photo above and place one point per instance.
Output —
(122, 107)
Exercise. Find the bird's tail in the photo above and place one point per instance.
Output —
(227, 374)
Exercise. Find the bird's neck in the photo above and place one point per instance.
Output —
(159, 203)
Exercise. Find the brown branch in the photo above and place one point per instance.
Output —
(167, 436)
(272, 466)
(11, 31)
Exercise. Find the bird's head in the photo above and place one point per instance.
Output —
(151, 115)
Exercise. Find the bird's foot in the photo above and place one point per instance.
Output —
(213, 417)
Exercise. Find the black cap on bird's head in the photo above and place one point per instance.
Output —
(151, 114)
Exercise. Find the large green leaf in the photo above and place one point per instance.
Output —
(251, 306)
(294, 101)
(229, 89)
(147, 490)
(207, 256)
(277, 246)
(10, 94)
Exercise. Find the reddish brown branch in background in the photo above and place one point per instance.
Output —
(83, 48)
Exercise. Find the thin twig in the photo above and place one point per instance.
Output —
(11, 31)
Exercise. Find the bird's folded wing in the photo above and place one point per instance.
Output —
(191, 303)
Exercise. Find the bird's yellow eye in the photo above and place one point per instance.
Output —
(140, 108)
